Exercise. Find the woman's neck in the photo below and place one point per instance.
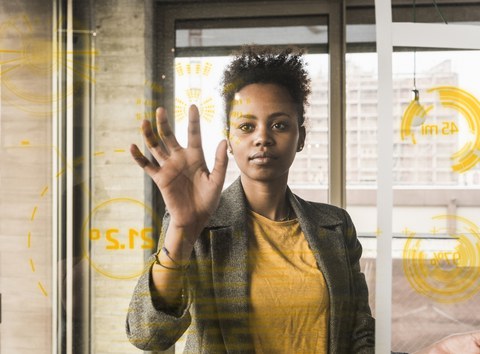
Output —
(267, 198)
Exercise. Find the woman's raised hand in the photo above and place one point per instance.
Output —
(190, 191)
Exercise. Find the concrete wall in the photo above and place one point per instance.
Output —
(25, 173)
(121, 71)
(123, 67)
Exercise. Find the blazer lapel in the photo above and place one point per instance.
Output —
(229, 249)
(327, 245)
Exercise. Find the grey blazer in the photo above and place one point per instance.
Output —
(215, 310)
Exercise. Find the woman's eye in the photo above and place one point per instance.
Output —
(280, 126)
(246, 127)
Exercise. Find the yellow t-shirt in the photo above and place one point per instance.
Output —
(289, 297)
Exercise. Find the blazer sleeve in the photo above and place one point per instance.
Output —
(363, 331)
(150, 325)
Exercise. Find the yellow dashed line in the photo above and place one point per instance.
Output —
(33, 213)
(44, 191)
(29, 239)
(10, 51)
(98, 153)
(42, 289)
(60, 173)
(25, 142)
(119, 150)
(32, 265)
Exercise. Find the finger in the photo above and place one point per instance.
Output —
(221, 162)
(194, 132)
(164, 130)
(142, 161)
(153, 144)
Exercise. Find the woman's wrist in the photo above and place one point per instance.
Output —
(179, 242)
(177, 265)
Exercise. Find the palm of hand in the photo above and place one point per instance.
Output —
(191, 193)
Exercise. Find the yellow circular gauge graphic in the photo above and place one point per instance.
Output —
(466, 104)
(110, 248)
(194, 73)
(111, 244)
(449, 273)
(28, 63)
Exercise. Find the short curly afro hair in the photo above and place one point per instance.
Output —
(267, 65)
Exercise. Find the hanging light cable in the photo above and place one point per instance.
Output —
(415, 106)
(420, 118)
(415, 114)
(415, 57)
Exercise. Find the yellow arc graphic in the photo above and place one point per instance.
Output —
(99, 264)
(466, 104)
(448, 275)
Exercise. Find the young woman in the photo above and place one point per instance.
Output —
(254, 269)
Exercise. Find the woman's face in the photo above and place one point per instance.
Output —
(264, 133)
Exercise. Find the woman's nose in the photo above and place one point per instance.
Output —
(263, 137)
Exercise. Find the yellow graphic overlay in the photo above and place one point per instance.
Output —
(31, 261)
(237, 112)
(26, 58)
(104, 247)
(451, 97)
(450, 273)
(109, 249)
(414, 114)
(194, 73)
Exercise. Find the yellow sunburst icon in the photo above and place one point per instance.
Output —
(193, 72)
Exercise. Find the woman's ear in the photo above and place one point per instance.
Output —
(301, 139)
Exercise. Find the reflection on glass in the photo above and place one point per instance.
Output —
(434, 253)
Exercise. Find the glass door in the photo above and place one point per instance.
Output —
(429, 108)
(203, 48)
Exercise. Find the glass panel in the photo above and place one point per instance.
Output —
(361, 34)
(436, 204)
(26, 100)
(118, 232)
(361, 166)
(213, 37)
(197, 81)
(310, 170)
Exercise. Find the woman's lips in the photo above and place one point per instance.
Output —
(262, 158)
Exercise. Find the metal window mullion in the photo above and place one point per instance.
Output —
(383, 279)
(69, 183)
(248, 9)
(337, 121)
(56, 118)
